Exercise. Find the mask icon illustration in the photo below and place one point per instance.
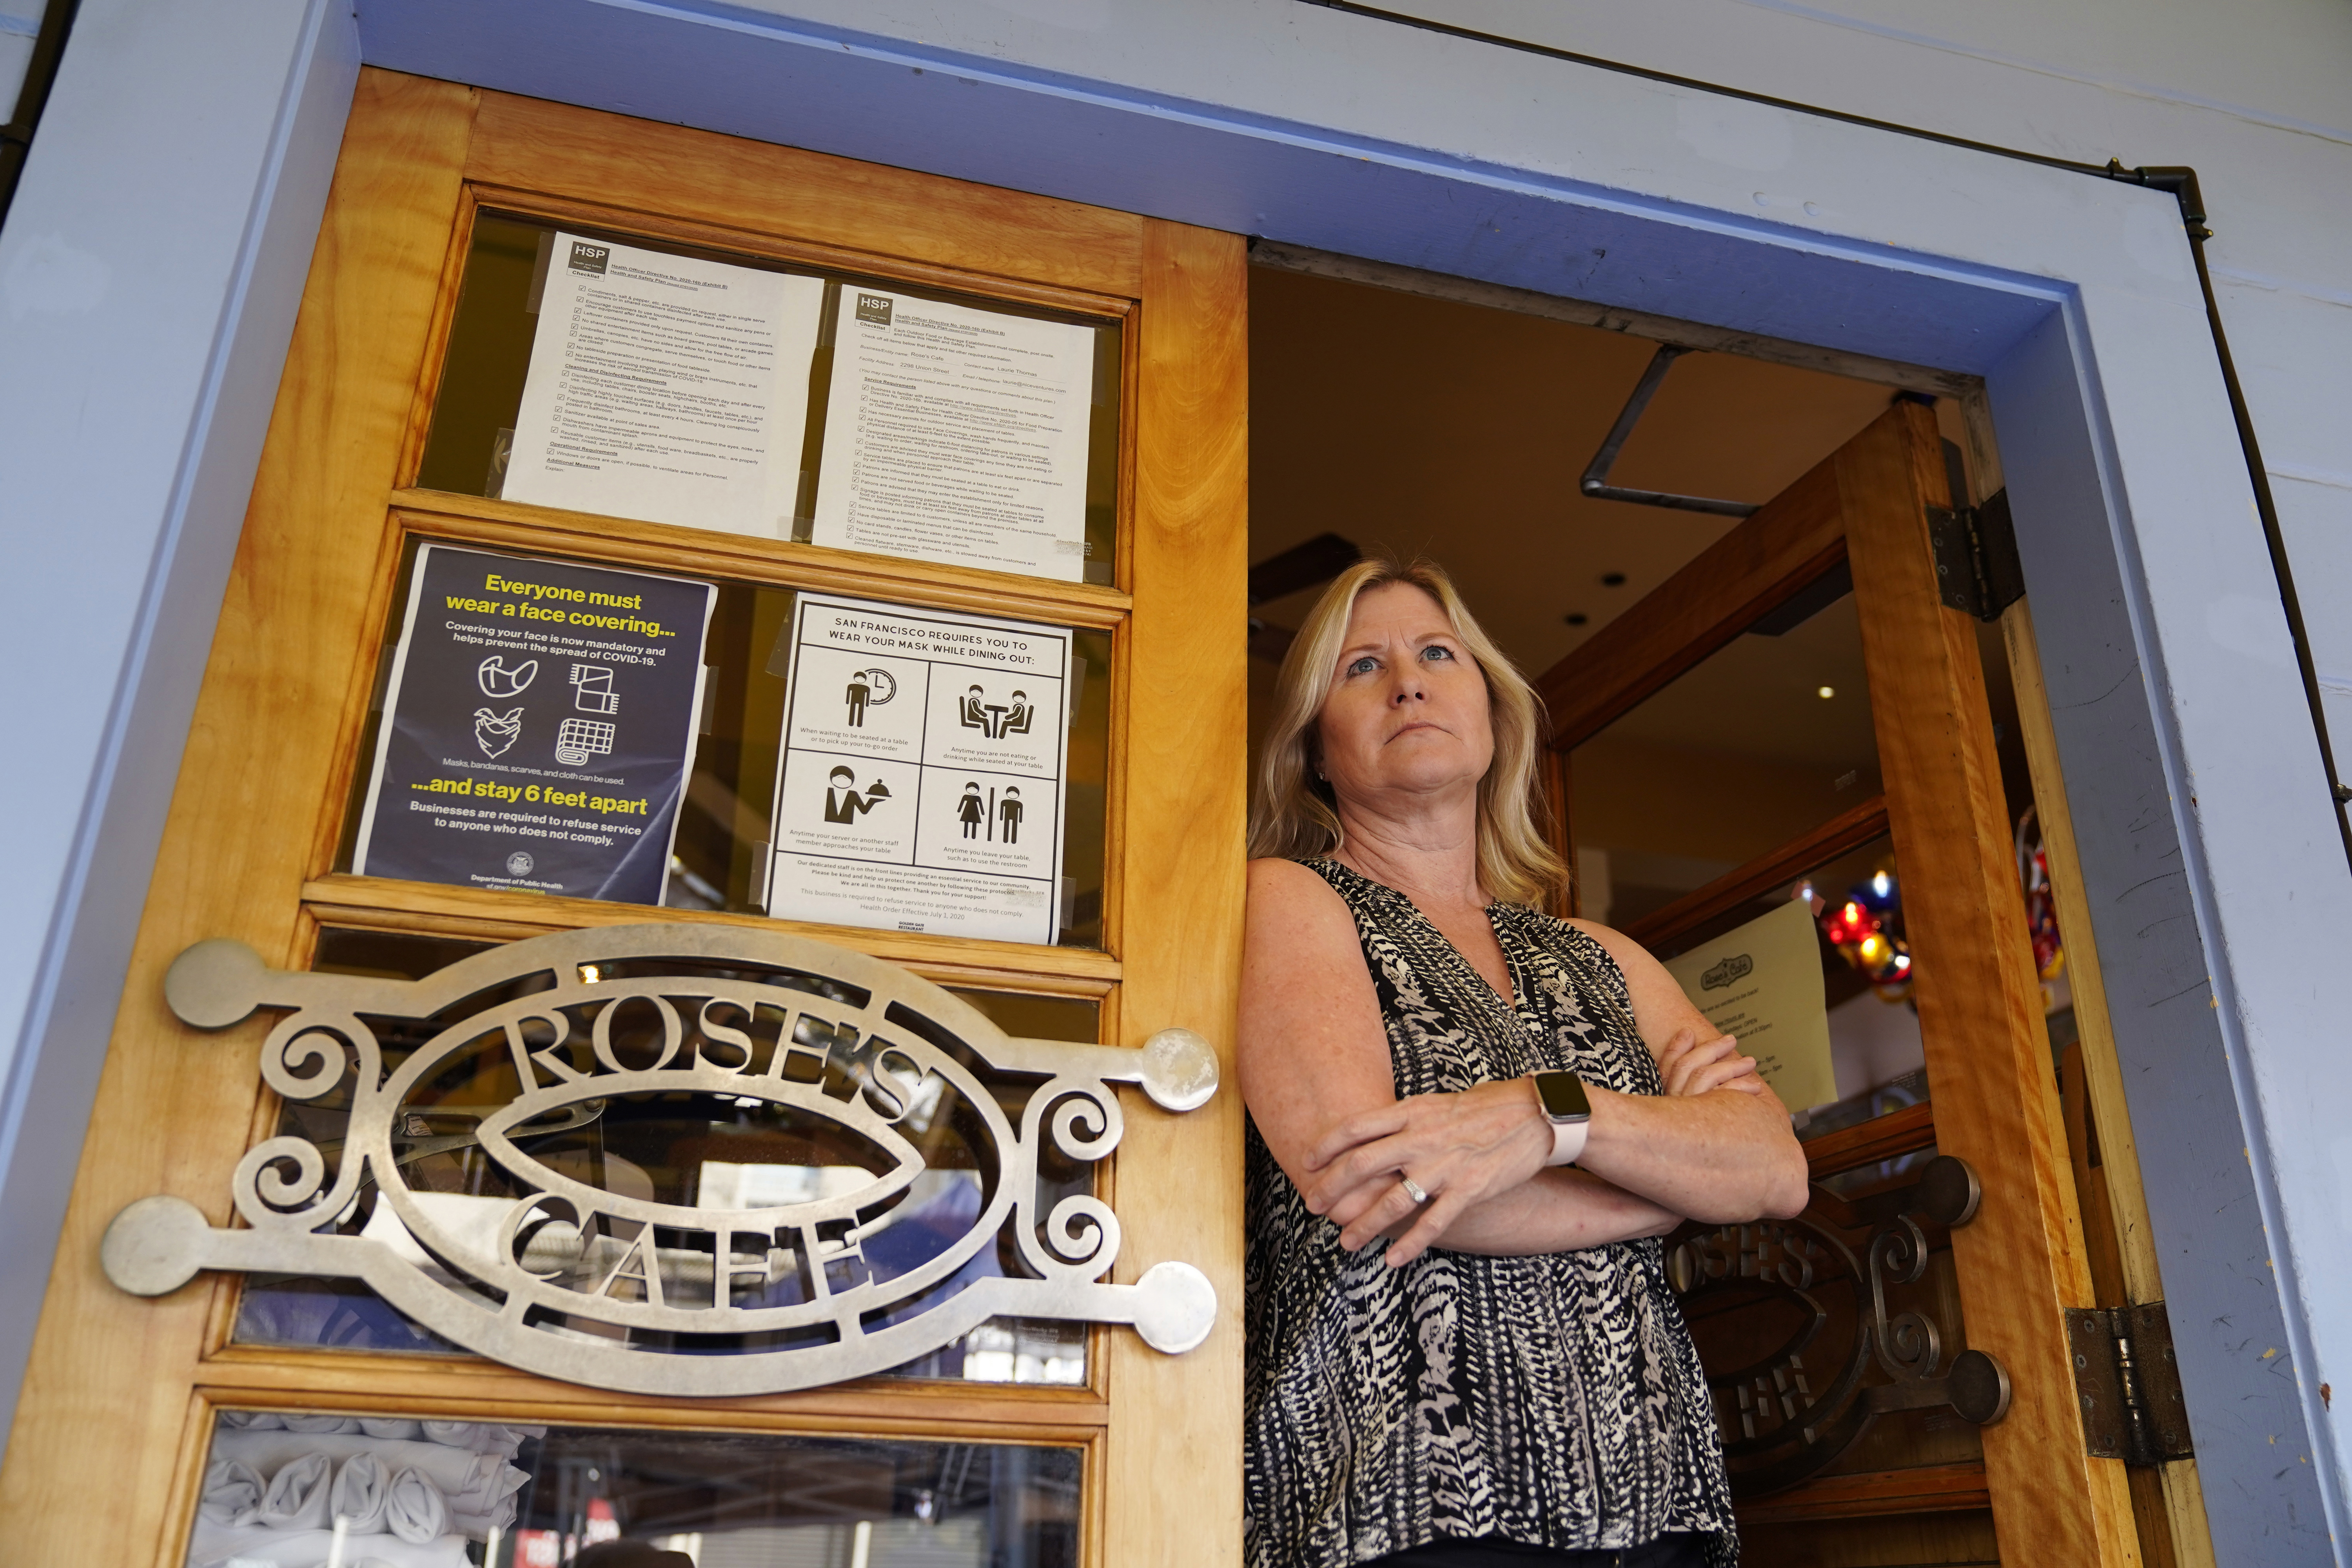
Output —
(494, 733)
(499, 678)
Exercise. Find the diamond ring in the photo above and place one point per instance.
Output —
(1412, 1189)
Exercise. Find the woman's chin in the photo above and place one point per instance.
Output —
(1425, 777)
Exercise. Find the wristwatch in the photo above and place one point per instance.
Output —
(1570, 1111)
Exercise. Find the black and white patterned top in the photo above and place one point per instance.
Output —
(1554, 1400)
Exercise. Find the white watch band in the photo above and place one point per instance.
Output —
(1567, 1141)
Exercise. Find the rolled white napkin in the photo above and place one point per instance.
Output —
(233, 1493)
(481, 1436)
(479, 1525)
(251, 1420)
(415, 1510)
(358, 1500)
(212, 1547)
(297, 1497)
(320, 1425)
(390, 1429)
(474, 1483)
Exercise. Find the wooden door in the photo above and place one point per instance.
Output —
(108, 1452)
(1824, 1465)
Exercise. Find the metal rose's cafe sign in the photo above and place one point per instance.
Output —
(886, 1096)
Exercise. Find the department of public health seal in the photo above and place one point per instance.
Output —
(519, 864)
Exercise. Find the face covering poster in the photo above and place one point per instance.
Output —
(920, 781)
(537, 728)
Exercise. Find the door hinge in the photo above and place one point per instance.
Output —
(1976, 568)
(2129, 1383)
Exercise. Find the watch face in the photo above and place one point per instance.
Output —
(1563, 1096)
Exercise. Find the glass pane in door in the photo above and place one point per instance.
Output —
(490, 359)
(720, 857)
(1766, 739)
(299, 1490)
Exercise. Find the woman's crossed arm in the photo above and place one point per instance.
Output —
(1316, 1073)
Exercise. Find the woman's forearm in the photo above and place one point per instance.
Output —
(1558, 1209)
(1720, 1158)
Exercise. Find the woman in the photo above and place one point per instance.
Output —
(1461, 1349)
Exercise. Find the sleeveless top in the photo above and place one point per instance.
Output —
(1554, 1400)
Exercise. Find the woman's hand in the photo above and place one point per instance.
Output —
(1460, 1149)
(1692, 1065)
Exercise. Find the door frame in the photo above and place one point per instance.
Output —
(2118, 443)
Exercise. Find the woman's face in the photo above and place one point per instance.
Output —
(1408, 714)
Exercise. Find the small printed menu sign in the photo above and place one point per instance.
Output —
(537, 728)
(1762, 983)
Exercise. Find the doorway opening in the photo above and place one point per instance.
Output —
(1388, 419)
(1705, 783)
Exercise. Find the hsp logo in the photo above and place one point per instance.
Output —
(873, 308)
(587, 257)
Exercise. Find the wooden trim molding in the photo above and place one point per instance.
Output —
(1847, 831)
(2020, 1262)
(2189, 1539)
(1927, 1489)
(1185, 813)
(529, 146)
(344, 898)
(1888, 1137)
(658, 546)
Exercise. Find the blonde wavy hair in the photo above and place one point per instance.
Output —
(1292, 812)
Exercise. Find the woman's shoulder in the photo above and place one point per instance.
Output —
(1319, 895)
(1297, 921)
(1277, 880)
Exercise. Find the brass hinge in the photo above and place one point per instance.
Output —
(1977, 569)
(2129, 1383)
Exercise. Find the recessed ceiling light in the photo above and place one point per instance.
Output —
(1576, 617)
(1826, 691)
(1612, 579)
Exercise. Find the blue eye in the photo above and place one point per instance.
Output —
(1435, 650)
(1363, 666)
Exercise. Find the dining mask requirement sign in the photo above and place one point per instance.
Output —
(537, 728)
(921, 783)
